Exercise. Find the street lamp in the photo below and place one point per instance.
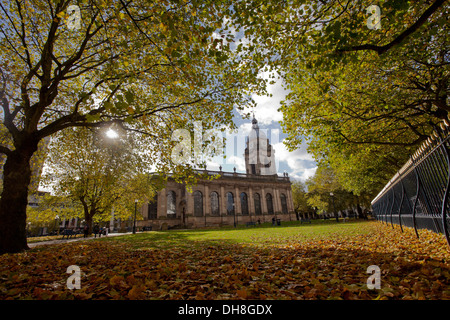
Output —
(56, 224)
(134, 222)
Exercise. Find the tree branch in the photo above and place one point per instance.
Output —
(5, 150)
(404, 144)
(402, 36)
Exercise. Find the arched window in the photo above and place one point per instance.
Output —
(257, 201)
(171, 204)
(215, 211)
(230, 204)
(198, 204)
(244, 204)
(284, 208)
(269, 203)
(153, 208)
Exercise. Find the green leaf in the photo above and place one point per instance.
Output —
(129, 96)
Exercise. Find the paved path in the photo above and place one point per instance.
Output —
(58, 241)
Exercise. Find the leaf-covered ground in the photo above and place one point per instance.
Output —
(318, 261)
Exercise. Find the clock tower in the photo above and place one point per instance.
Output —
(259, 154)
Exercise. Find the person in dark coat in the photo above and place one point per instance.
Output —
(86, 231)
(96, 230)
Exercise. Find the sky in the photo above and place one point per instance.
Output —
(299, 164)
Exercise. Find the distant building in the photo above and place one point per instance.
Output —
(35, 198)
(234, 198)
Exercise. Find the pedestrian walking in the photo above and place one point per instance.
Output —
(96, 230)
(85, 231)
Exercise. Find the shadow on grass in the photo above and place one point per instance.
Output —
(264, 234)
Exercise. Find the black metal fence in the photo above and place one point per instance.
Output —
(418, 195)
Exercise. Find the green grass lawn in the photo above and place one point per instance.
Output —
(260, 235)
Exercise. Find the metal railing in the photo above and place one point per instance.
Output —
(418, 195)
(225, 174)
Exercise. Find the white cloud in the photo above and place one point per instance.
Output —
(291, 157)
(300, 162)
(213, 165)
(244, 129)
(266, 111)
(238, 162)
(307, 173)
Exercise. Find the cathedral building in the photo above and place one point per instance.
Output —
(257, 196)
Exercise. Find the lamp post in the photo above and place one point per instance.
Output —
(134, 222)
(56, 224)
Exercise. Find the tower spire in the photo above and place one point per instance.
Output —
(254, 122)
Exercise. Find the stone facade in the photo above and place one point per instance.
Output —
(234, 198)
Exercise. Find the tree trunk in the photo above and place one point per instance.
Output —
(14, 198)
(88, 221)
(359, 210)
(88, 216)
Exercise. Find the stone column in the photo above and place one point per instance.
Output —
(290, 203)
(237, 201)
(290, 206)
(280, 209)
(251, 202)
(263, 201)
(162, 203)
(144, 210)
(206, 201)
(189, 203)
(222, 202)
(275, 194)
